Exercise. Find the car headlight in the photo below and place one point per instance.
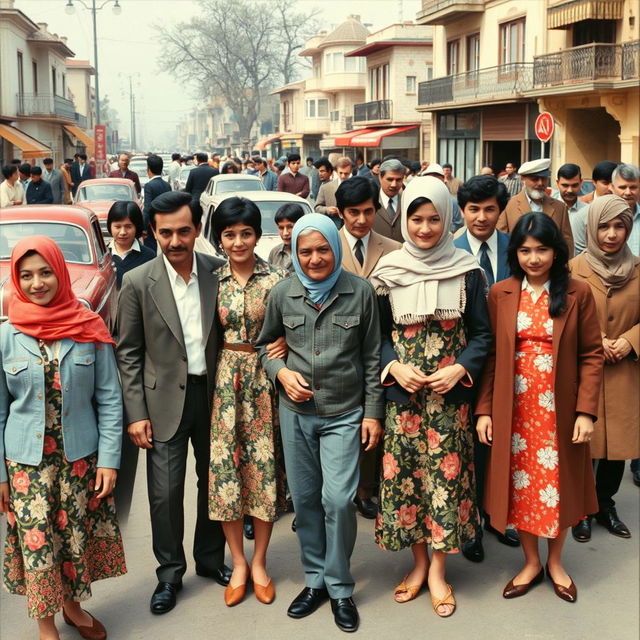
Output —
(85, 303)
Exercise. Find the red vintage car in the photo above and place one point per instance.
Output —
(100, 193)
(77, 232)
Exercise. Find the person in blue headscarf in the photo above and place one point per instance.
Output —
(331, 404)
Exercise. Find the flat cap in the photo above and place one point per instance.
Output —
(536, 168)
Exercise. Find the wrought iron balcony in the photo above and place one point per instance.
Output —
(45, 105)
(445, 11)
(81, 120)
(370, 111)
(505, 81)
(587, 63)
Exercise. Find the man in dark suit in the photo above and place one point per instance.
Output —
(482, 199)
(38, 190)
(387, 222)
(123, 171)
(153, 188)
(199, 177)
(80, 171)
(167, 352)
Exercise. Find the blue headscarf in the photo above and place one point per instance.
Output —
(318, 290)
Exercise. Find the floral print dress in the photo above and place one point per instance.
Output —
(246, 474)
(60, 537)
(427, 489)
(534, 504)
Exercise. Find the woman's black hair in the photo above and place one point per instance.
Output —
(541, 227)
(418, 202)
(229, 167)
(236, 210)
(123, 209)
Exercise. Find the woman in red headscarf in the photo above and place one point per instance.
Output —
(60, 439)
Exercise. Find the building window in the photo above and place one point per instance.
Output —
(429, 72)
(54, 82)
(34, 71)
(512, 42)
(453, 57)
(355, 65)
(411, 84)
(317, 108)
(379, 82)
(20, 73)
(64, 86)
(333, 62)
(473, 52)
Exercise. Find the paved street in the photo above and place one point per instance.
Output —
(605, 571)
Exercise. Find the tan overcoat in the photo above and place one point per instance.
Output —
(578, 359)
(617, 432)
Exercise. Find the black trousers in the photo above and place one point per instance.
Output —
(123, 492)
(166, 468)
(480, 455)
(608, 478)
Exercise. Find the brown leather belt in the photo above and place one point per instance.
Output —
(239, 346)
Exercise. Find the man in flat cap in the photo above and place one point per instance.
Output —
(533, 197)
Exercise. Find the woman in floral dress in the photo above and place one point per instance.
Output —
(538, 400)
(59, 454)
(435, 338)
(246, 476)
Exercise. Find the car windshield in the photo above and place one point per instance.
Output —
(268, 212)
(140, 169)
(72, 240)
(229, 186)
(104, 192)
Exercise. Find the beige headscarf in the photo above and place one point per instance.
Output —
(614, 269)
(425, 283)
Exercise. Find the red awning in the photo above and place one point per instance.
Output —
(373, 138)
(264, 142)
(344, 139)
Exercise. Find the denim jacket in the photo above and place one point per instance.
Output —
(91, 401)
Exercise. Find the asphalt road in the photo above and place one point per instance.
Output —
(606, 572)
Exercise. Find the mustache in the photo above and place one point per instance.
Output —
(176, 250)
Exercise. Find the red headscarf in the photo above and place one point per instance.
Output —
(65, 316)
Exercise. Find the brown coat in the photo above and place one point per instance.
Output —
(378, 246)
(578, 360)
(519, 205)
(617, 432)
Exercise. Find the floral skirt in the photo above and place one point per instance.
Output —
(60, 537)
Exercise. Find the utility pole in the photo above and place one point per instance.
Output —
(132, 106)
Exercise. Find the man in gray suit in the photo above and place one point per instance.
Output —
(55, 179)
(167, 354)
(387, 222)
(326, 202)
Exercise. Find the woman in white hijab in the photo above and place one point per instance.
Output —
(436, 335)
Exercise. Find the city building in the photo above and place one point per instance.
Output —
(82, 93)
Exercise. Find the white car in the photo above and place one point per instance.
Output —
(268, 202)
(224, 185)
(181, 182)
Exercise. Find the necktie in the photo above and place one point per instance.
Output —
(391, 212)
(357, 252)
(485, 263)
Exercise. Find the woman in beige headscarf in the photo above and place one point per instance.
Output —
(613, 273)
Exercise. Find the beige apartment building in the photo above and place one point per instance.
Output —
(499, 63)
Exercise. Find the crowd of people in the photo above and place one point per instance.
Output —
(486, 336)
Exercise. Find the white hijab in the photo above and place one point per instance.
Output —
(425, 283)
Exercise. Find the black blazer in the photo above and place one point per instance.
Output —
(477, 330)
(199, 179)
(79, 174)
(152, 189)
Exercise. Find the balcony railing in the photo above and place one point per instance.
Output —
(587, 63)
(81, 120)
(46, 105)
(375, 110)
(444, 11)
(493, 82)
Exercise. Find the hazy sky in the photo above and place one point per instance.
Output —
(128, 45)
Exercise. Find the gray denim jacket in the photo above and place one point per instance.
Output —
(336, 348)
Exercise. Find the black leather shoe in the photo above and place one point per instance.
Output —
(221, 575)
(247, 527)
(582, 531)
(345, 614)
(306, 602)
(293, 525)
(367, 507)
(509, 537)
(636, 477)
(473, 550)
(609, 519)
(164, 597)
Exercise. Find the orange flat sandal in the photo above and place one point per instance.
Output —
(448, 599)
(404, 588)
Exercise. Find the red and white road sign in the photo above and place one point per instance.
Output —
(101, 143)
(544, 126)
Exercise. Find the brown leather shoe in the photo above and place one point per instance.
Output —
(517, 590)
(266, 594)
(234, 595)
(569, 594)
(95, 632)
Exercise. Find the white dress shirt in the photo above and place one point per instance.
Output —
(384, 201)
(9, 193)
(492, 244)
(535, 296)
(134, 247)
(187, 297)
(351, 241)
(534, 205)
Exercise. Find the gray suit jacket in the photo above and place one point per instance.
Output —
(152, 358)
(56, 180)
(327, 196)
(386, 227)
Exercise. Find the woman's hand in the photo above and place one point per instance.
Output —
(443, 380)
(295, 386)
(484, 428)
(105, 481)
(408, 376)
(4, 497)
(620, 348)
(583, 429)
(278, 349)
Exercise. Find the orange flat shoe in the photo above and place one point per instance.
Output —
(448, 599)
(234, 595)
(95, 632)
(411, 590)
(265, 594)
